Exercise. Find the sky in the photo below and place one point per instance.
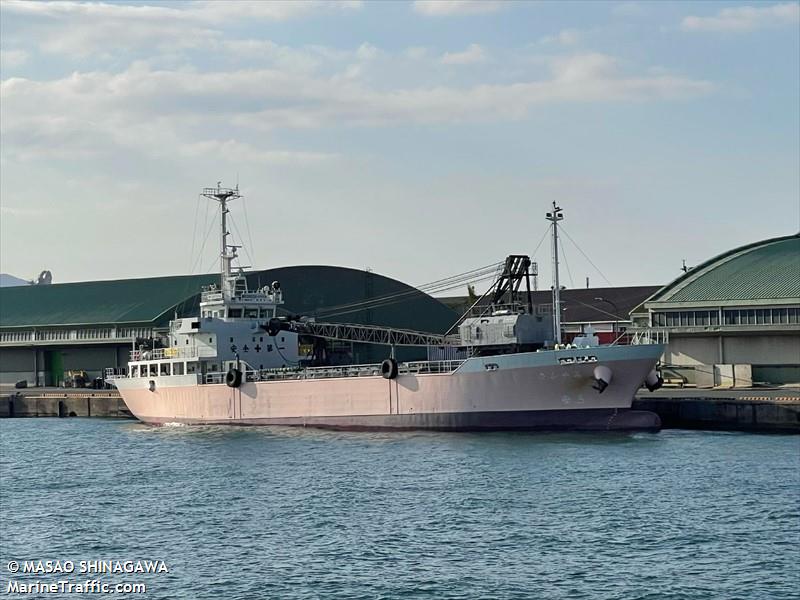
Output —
(416, 139)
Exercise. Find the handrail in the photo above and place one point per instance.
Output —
(339, 372)
(163, 353)
(642, 336)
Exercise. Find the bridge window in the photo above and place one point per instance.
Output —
(135, 371)
(235, 313)
(177, 368)
(251, 313)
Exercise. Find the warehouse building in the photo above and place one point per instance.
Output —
(49, 330)
(738, 312)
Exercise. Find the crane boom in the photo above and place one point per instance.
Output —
(367, 334)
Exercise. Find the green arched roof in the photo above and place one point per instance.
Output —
(308, 290)
(766, 270)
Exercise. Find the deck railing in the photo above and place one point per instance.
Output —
(163, 353)
(369, 370)
(644, 335)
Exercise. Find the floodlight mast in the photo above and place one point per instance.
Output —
(554, 217)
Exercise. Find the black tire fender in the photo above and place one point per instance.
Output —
(233, 378)
(389, 368)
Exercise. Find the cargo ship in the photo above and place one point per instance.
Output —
(507, 368)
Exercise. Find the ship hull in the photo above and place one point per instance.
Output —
(528, 391)
(556, 420)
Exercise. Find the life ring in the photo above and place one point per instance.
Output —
(389, 368)
(233, 378)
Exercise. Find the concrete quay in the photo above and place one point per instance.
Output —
(763, 410)
(59, 402)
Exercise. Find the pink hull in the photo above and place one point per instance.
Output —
(516, 395)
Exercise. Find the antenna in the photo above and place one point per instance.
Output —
(223, 196)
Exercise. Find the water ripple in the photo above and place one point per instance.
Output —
(302, 513)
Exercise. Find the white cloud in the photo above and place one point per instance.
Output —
(565, 37)
(89, 28)
(473, 54)
(13, 58)
(209, 11)
(277, 10)
(416, 52)
(84, 29)
(241, 152)
(163, 113)
(268, 52)
(439, 8)
(746, 18)
(367, 51)
(584, 67)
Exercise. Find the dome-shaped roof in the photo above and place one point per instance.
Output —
(331, 293)
(765, 270)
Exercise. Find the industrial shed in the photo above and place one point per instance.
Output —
(46, 330)
(738, 312)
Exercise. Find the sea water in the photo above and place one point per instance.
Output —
(303, 513)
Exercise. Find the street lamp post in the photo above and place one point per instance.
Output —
(616, 313)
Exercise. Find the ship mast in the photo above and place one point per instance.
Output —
(554, 217)
(228, 252)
